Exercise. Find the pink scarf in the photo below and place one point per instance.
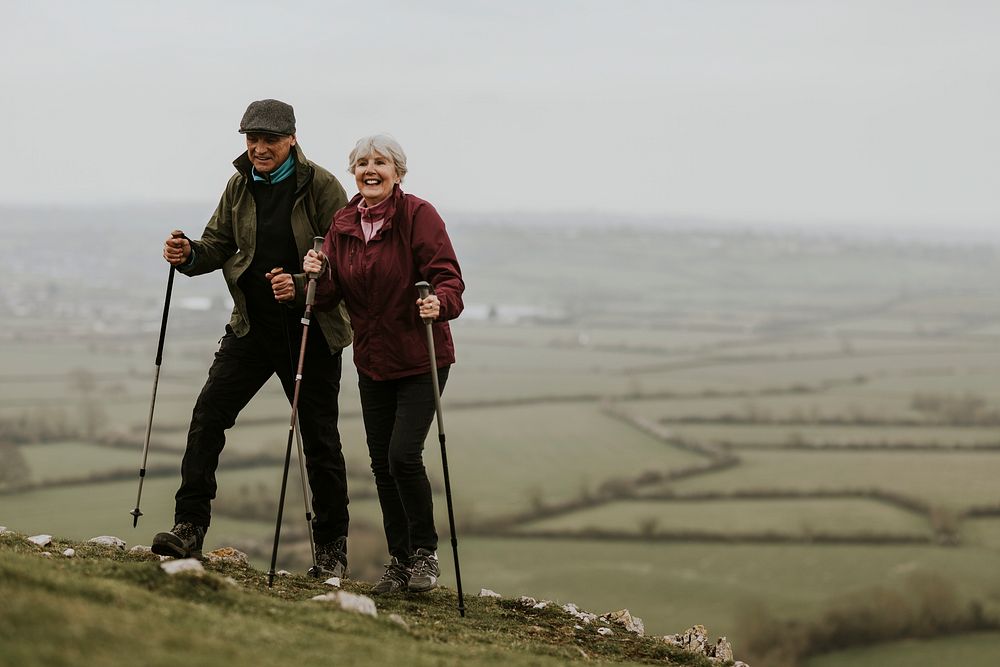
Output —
(373, 217)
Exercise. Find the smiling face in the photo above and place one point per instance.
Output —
(267, 152)
(375, 175)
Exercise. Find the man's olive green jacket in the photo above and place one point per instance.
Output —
(230, 237)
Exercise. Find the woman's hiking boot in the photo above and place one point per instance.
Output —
(393, 580)
(424, 571)
(184, 540)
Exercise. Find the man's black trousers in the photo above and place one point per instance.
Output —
(241, 367)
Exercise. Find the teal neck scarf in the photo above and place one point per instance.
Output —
(279, 174)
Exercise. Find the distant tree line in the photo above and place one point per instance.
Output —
(927, 606)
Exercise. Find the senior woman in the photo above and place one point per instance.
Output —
(379, 245)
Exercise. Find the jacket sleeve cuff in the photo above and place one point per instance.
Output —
(301, 284)
(189, 262)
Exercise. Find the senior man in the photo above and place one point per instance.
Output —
(271, 209)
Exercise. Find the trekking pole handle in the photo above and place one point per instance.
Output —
(424, 290)
(311, 287)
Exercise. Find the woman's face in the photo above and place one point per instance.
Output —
(375, 176)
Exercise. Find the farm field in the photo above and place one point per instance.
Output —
(773, 422)
(975, 650)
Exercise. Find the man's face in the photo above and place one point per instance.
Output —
(267, 152)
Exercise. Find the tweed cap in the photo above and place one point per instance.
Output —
(268, 116)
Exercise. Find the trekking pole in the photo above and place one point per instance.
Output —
(136, 513)
(310, 297)
(424, 289)
(314, 570)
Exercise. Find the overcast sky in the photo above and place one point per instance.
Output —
(863, 111)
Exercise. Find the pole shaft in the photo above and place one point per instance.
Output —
(136, 513)
(424, 290)
(310, 295)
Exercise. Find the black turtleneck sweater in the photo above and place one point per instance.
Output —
(275, 247)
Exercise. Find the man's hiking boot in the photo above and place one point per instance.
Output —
(331, 558)
(393, 580)
(184, 540)
(424, 571)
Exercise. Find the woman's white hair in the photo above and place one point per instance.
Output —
(382, 144)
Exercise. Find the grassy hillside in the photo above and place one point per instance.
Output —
(107, 606)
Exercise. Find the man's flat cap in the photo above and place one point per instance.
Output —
(269, 116)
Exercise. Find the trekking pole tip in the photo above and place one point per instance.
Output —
(136, 513)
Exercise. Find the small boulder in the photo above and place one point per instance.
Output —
(140, 549)
(527, 601)
(41, 540)
(360, 604)
(69, 553)
(626, 620)
(108, 541)
(579, 614)
(723, 650)
(487, 593)
(333, 581)
(693, 639)
(228, 555)
(606, 632)
(190, 565)
(283, 573)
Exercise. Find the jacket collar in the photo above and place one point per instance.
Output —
(303, 170)
(348, 219)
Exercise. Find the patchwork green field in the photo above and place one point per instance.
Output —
(697, 393)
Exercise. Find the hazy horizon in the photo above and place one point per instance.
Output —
(805, 113)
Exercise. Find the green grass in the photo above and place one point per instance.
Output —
(73, 460)
(739, 517)
(782, 435)
(499, 458)
(107, 607)
(668, 584)
(971, 650)
(952, 480)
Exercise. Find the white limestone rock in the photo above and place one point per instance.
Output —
(140, 549)
(189, 565)
(723, 651)
(693, 639)
(527, 601)
(626, 620)
(541, 605)
(228, 555)
(283, 573)
(487, 593)
(360, 604)
(3, 530)
(108, 541)
(46, 554)
(333, 581)
(69, 553)
(578, 613)
(606, 632)
(41, 540)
